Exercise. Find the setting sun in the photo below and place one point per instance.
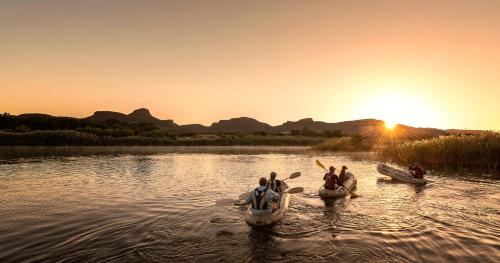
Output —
(397, 105)
(389, 124)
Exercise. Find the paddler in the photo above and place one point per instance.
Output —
(273, 183)
(417, 171)
(342, 175)
(331, 179)
(262, 198)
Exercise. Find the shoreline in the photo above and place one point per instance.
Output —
(10, 152)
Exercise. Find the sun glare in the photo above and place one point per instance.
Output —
(399, 107)
(390, 124)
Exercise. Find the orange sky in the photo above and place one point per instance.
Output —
(422, 63)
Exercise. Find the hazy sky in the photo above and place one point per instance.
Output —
(424, 63)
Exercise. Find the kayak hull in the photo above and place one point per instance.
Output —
(349, 185)
(259, 219)
(399, 175)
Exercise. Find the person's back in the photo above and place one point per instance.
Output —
(331, 179)
(259, 200)
(273, 183)
(342, 175)
(262, 198)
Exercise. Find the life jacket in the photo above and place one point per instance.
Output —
(419, 173)
(259, 199)
(274, 185)
(330, 181)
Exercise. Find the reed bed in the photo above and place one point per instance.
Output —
(347, 144)
(449, 152)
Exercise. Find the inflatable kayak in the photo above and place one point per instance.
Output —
(349, 184)
(256, 218)
(399, 175)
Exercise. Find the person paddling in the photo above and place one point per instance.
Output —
(273, 183)
(262, 198)
(331, 179)
(342, 175)
(417, 171)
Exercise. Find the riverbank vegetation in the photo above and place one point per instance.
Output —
(401, 144)
(481, 151)
(346, 144)
(456, 151)
(46, 130)
(156, 138)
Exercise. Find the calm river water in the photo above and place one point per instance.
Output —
(161, 208)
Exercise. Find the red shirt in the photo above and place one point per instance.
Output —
(419, 172)
(330, 180)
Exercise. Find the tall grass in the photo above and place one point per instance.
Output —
(452, 151)
(347, 144)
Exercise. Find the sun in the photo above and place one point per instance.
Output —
(398, 106)
(389, 124)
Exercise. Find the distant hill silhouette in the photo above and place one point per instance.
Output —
(142, 115)
(137, 116)
(242, 124)
(34, 115)
(100, 116)
(408, 132)
(365, 127)
(346, 127)
(195, 128)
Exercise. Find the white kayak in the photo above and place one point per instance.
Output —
(349, 184)
(399, 175)
(257, 218)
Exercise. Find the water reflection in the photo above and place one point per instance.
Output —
(143, 166)
(161, 208)
(261, 244)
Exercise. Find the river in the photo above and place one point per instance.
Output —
(160, 207)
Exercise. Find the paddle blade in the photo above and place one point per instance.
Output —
(243, 195)
(354, 195)
(295, 190)
(320, 164)
(294, 175)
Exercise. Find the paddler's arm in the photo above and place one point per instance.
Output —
(247, 200)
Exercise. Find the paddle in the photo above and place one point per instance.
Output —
(292, 176)
(294, 190)
(243, 195)
(321, 165)
(224, 202)
(353, 194)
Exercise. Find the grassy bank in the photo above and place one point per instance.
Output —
(346, 144)
(449, 152)
(78, 138)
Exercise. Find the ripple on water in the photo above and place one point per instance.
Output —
(157, 208)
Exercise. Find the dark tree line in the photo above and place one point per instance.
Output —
(117, 128)
(111, 127)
